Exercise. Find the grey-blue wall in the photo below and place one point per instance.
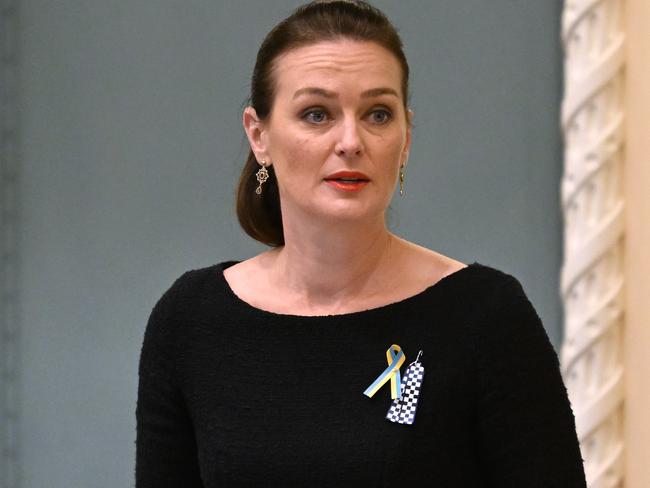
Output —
(131, 147)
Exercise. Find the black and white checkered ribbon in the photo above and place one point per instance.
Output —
(403, 408)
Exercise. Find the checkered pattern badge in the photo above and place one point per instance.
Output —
(403, 408)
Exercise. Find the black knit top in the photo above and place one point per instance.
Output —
(231, 395)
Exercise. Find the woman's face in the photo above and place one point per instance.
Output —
(338, 107)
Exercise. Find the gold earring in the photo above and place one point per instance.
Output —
(401, 180)
(262, 175)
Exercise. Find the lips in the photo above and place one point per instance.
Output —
(348, 176)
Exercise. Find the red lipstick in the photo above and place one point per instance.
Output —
(349, 175)
(347, 180)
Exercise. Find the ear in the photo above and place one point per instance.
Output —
(407, 147)
(256, 133)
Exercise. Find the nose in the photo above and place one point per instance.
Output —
(349, 142)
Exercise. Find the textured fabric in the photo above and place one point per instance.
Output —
(231, 395)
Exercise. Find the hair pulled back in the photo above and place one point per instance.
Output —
(320, 20)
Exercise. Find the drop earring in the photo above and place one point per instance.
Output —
(262, 175)
(401, 180)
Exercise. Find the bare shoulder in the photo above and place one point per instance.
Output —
(247, 278)
(426, 265)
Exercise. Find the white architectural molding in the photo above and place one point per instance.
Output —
(9, 317)
(592, 282)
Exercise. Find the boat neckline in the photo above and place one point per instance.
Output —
(434, 287)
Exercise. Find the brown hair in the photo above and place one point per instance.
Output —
(316, 21)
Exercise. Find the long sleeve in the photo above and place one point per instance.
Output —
(166, 454)
(526, 425)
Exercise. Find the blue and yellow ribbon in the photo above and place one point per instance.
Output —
(395, 358)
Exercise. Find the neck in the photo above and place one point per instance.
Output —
(326, 265)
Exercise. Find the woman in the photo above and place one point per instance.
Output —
(271, 371)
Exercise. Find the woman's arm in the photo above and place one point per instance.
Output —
(166, 454)
(526, 426)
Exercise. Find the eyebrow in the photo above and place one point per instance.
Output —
(374, 92)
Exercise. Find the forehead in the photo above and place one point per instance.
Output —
(356, 64)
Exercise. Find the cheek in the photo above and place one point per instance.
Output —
(297, 161)
(297, 154)
(300, 155)
(391, 149)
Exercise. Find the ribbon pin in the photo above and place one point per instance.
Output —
(395, 358)
(402, 410)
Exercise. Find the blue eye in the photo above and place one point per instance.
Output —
(316, 116)
(319, 116)
(380, 116)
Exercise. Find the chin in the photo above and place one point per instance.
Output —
(329, 206)
(349, 212)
